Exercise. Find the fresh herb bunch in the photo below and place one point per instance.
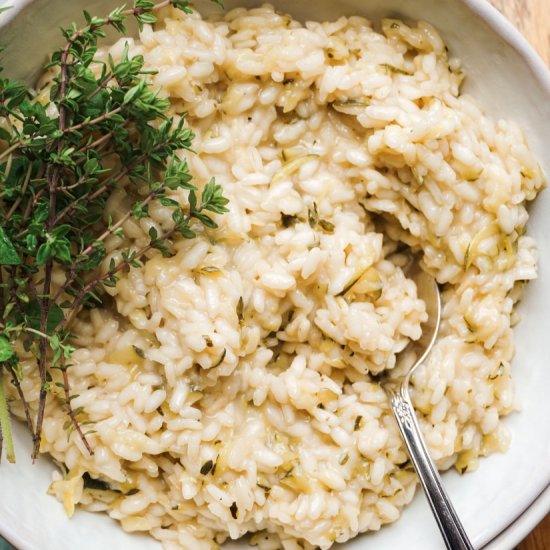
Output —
(56, 172)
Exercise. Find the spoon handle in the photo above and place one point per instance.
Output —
(452, 530)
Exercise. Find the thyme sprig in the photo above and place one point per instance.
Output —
(96, 127)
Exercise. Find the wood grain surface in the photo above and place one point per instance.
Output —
(532, 18)
(539, 539)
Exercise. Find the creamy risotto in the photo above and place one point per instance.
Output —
(228, 387)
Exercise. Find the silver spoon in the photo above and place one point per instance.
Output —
(396, 386)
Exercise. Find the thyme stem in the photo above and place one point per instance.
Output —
(5, 426)
(71, 413)
(15, 382)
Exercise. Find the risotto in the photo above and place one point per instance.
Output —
(229, 387)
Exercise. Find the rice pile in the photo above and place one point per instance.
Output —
(228, 387)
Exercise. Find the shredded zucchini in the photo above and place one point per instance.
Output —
(505, 247)
(472, 252)
(298, 482)
(220, 360)
(350, 106)
(395, 70)
(290, 153)
(291, 167)
(210, 271)
(367, 282)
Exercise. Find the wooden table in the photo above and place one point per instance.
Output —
(532, 18)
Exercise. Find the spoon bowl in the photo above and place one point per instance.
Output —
(428, 291)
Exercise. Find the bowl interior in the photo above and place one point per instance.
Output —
(506, 84)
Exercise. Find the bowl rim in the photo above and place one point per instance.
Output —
(526, 518)
(513, 37)
(519, 528)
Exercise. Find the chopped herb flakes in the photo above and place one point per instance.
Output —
(240, 309)
(313, 216)
(316, 222)
(288, 220)
(326, 226)
(207, 467)
(343, 460)
(499, 372)
(94, 483)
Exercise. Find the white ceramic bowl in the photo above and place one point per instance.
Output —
(509, 80)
